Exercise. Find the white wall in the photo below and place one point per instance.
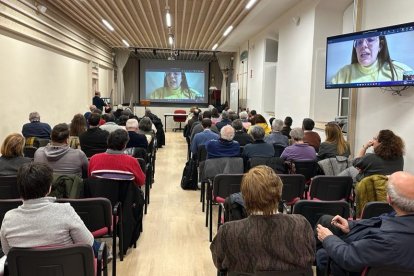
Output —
(37, 79)
(378, 109)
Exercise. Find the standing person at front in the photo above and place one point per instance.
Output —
(266, 240)
(98, 102)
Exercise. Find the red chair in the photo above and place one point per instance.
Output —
(179, 119)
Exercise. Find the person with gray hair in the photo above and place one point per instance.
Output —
(276, 137)
(385, 241)
(240, 135)
(35, 128)
(259, 148)
(136, 140)
(299, 151)
(224, 146)
(224, 120)
(244, 117)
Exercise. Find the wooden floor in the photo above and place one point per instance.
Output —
(174, 240)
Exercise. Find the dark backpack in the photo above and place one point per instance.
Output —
(233, 210)
(190, 176)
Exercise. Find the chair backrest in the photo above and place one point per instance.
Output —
(276, 163)
(278, 149)
(96, 213)
(91, 152)
(8, 187)
(114, 190)
(69, 260)
(201, 153)
(179, 118)
(331, 187)
(387, 271)
(224, 165)
(7, 205)
(312, 210)
(306, 168)
(293, 187)
(137, 152)
(29, 152)
(375, 209)
(226, 184)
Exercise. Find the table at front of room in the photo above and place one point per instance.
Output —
(172, 114)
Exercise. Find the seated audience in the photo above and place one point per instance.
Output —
(224, 146)
(157, 126)
(299, 151)
(310, 137)
(224, 120)
(118, 111)
(203, 137)
(386, 159)
(335, 144)
(252, 114)
(145, 128)
(287, 124)
(59, 156)
(77, 127)
(240, 135)
(232, 115)
(265, 240)
(276, 136)
(40, 221)
(94, 139)
(136, 140)
(259, 120)
(197, 126)
(11, 158)
(244, 117)
(384, 241)
(259, 148)
(115, 159)
(110, 124)
(122, 120)
(35, 128)
(215, 116)
(88, 113)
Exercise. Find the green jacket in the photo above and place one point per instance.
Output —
(370, 188)
(67, 186)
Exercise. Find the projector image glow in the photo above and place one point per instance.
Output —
(171, 58)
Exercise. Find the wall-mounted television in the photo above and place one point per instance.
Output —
(373, 58)
(166, 82)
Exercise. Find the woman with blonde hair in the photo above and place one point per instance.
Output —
(335, 144)
(77, 127)
(266, 240)
(12, 154)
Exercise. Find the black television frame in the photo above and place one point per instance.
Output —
(389, 30)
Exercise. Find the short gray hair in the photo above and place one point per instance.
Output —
(257, 132)
(132, 123)
(277, 125)
(224, 115)
(297, 134)
(227, 133)
(237, 124)
(400, 201)
(243, 115)
(145, 124)
(34, 117)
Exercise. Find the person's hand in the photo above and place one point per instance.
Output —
(322, 232)
(341, 223)
(369, 144)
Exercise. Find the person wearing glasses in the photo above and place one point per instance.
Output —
(371, 61)
(175, 87)
(386, 159)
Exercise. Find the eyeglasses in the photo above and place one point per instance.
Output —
(370, 41)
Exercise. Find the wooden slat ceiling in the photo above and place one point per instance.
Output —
(197, 24)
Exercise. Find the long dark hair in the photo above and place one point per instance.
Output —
(391, 146)
(184, 85)
(383, 56)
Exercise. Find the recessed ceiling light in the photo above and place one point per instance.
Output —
(125, 42)
(109, 26)
(215, 46)
(250, 4)
(228, 30)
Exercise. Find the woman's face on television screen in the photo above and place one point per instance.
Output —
(367, 50)
(174, 79)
